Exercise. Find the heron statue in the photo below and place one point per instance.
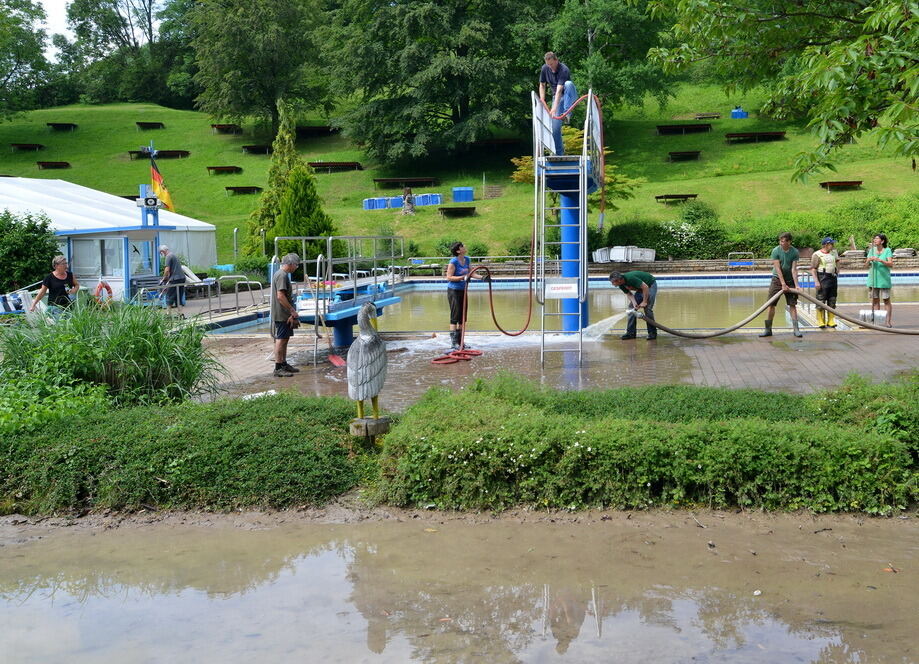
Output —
(366, 361)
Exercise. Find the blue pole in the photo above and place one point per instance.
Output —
(570, 220)
(343, 332)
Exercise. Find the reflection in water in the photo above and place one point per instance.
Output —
(501, 592)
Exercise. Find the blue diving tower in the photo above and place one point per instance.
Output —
(562, 185)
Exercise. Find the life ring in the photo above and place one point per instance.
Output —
(102, 286)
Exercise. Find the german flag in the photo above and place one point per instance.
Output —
(159, 187)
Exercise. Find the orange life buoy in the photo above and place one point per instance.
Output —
(102, 286)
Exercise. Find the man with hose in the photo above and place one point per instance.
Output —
(825, 269)
(641, 289)
(784, 279)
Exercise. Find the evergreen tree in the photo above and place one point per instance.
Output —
(302, 214)
(284, 158)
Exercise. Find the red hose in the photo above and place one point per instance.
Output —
(456, 355)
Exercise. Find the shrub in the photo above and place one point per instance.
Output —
(139, 354)
(521, 246)
(273, 451)
(27, 245)
(252, 265)
(34, 400)
(474, 248)
(472, 450)
(659, 403)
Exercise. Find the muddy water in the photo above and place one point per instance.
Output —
(684, 308)
(610, 588)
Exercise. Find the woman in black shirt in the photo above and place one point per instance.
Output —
(58, 284)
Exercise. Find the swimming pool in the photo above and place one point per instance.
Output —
(685, 302)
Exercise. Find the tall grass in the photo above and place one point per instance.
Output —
(140, 354)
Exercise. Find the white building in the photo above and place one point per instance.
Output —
(106, 236)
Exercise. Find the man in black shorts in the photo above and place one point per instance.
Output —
(784, 279)
(284, 316)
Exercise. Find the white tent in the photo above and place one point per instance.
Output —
(106, 236)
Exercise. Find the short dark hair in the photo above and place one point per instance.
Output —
(455, 247)
(785, 236)
(615, 276)
(883, 238)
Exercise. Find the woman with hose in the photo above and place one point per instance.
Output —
(879, 262)
(457, 271)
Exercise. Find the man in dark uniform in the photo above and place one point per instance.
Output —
(641, 289)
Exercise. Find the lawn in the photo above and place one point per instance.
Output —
(738, 180)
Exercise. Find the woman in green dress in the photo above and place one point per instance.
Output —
(879, 262)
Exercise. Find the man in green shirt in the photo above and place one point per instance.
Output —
(641, 289)
(784, 280)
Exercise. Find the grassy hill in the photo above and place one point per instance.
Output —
(738, 180)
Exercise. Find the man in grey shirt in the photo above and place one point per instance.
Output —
(174, 276)
(284, 315)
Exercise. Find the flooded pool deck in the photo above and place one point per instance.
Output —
(822, 359)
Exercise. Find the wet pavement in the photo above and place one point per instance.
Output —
(822, 359)
(617, 587)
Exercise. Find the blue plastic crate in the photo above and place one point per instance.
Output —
(436, 199)
(462, 194)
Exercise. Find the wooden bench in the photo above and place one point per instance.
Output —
(226, 129)
(708, 116)
(62, 126)
(172, 154)
(35, 147)
(666, 198)
(405, 182)
(336, 165)
(224, 169)
(754, 136)
(315, 131)
(52, 164)
(462, 211)
(256, 149)
(683, 155)
(682, 129)
(243, 190)
(141, 126)
(841, 184)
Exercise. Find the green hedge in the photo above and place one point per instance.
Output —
(697, 233)
(274, 451)
(473, 449)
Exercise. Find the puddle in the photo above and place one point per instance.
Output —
(642, 588)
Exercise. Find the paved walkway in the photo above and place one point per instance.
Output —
(822, 359)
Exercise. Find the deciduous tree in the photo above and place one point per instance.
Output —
(849, 66)
(433, 74)
(22, 60)
(605, 43)
(251, 53)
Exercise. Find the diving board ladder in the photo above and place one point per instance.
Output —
(562, 184)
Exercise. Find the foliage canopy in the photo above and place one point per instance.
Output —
(848, 66)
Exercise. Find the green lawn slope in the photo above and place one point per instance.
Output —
(738, 180)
